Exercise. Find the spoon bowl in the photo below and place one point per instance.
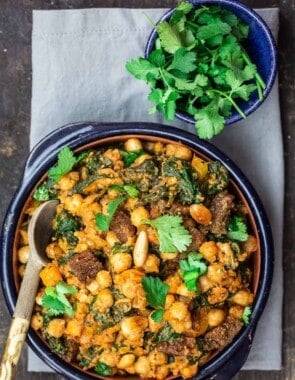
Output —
(39, 233)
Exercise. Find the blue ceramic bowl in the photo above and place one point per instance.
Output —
(81, 136)
(261, 48)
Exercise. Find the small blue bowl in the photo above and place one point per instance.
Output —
(261, 48)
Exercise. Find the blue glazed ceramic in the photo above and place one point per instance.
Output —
(229, 361)
(261, 48)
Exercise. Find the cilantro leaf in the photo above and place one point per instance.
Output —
(130, 157)
(169, 37)
(55, 300)
(173, 236)
(157, 315)
(183, 61)
(130, 190)
(209, 122)
(237, 229)
(247, 315)
(192, 269)
(66, 162)
(157, 58)
(156, 291)
(141, 67)
(103, 221)
(103, 369)
(212, 30)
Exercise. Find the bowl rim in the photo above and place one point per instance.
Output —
(234, 117)
(75, 136)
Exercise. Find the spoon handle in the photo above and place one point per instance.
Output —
(21, 320)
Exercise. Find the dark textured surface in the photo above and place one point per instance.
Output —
(15, 90)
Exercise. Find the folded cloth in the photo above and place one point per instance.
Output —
(79, 74)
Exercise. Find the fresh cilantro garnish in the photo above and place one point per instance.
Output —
(66, 162)
(103, 221)
(56, 301)
(173, 236)
(42, 193)
(237, 229)
(199, 66)
(130, 157)
(103, 369)
(247, 315)
(191, 269)
(156, 292)
(130, 190)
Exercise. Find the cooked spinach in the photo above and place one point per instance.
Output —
(66, 225)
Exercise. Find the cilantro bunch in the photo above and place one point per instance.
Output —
(199, 66)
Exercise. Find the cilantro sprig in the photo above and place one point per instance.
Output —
(66, 161)
(191, 269)
(173, 236)
(103, 369)
(103, 221)
(55, 299)
(247, 313)
(199, 66)
(156, 291)
(237, 229)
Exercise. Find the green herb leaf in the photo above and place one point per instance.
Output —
(130, 190)
(191, 269)
(247, 315)
(157, 315)
(209, 122)
(130, 157)
(183, 61)
(103, 221)
(141, 67)
(54, 299)
(42, 193)
(103, 369)
(65, 163)
(169, 37)
(155, 290)
(172, 235)
(237, 229)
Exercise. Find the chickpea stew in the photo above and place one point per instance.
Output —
(150, 263)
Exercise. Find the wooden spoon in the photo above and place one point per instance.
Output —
(39, 233)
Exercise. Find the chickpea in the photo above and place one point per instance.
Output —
(56, 327)
(132, 144)
(178, 151)
(74, 328)
(169, 301)
(243, 297)
(37, 321)
(53, 251)
(179, 310)
(162, 372)
(126, 361)
(93, 287)
(111, 238)
(74, 203)
(151, 264)
(216, 273)
(104, 279)
(104, 300)
(189, 371)
(250, 245)
(236, 311)
(133, 327)
(23, 254)
(215, 317)
(157, 358)
(68, 181)
(110, 358)
(21, 270)
(200, 213)
(154, 326)
(142, 366)
(168, 256)
(209, 250)
(217, 294)
(182, 290)
(121, 261)
(204, 283)
(138, 215)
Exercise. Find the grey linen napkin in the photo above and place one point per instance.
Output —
(79, 75)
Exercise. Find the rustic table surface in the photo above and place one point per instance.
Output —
(15, 90)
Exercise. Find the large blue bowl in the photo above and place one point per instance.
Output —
(77, 136)
(261, 48)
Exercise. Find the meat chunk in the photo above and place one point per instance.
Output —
(72, 349)
(157, 208)
(220, 207)
(177, 347)
(198, 237)
(222, 335)
(122, 226)
(168, 268)
(85, 266)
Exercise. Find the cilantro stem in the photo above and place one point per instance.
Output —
(257, 76)
(232, 102)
